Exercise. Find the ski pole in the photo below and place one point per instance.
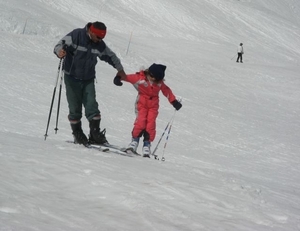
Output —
(129, 43)
(167, 138)
(233, 57)
(156, 147)
(53, 96)
(153, 153)
(59, 97)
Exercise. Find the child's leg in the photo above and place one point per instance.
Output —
(150, 131)
(151, 123)
(140, 122)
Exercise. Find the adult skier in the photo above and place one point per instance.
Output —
(240, 52)
(80, 49)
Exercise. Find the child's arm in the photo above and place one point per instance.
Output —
(167, 92)
(131, 78)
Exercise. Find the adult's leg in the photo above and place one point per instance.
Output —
(92, 113)
(74, 98)
(89, 100)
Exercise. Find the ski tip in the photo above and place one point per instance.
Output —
(131, 151)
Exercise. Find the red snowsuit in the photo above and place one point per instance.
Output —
(147, 103)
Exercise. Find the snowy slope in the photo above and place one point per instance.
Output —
(232, 160)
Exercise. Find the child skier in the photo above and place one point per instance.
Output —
(148, 83)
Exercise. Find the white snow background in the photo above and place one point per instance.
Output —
(232, 159)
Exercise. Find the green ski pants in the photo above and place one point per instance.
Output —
(81, 93)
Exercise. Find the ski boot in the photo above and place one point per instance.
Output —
(96, 136)
(146, 149)
(79, 136)
(134, 144)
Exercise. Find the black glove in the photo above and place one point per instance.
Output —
(176, 104)
(117, 81)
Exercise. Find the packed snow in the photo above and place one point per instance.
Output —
(232, 156)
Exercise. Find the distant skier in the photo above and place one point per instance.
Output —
(240, 52)
(81, 48)
(148, 83)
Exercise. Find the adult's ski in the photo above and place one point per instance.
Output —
(112, 148)
(104, 148)
(89, 146)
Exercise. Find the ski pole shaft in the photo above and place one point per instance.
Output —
(53, 97)
(167, 138)
(59, 97)
(233, 57)
(170, 121)
(153, 153)
(129, 43)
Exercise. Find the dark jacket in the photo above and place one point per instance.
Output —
(82, 54)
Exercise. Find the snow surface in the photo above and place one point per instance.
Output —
(232, 160)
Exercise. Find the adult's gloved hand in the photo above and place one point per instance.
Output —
(117, 81)
(176, 104)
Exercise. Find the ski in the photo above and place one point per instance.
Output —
(130, 151)
(104, 148)
(112, 149)
(123, 151)
(112, 146)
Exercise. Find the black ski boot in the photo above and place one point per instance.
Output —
(97, 136)
(79, 136)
